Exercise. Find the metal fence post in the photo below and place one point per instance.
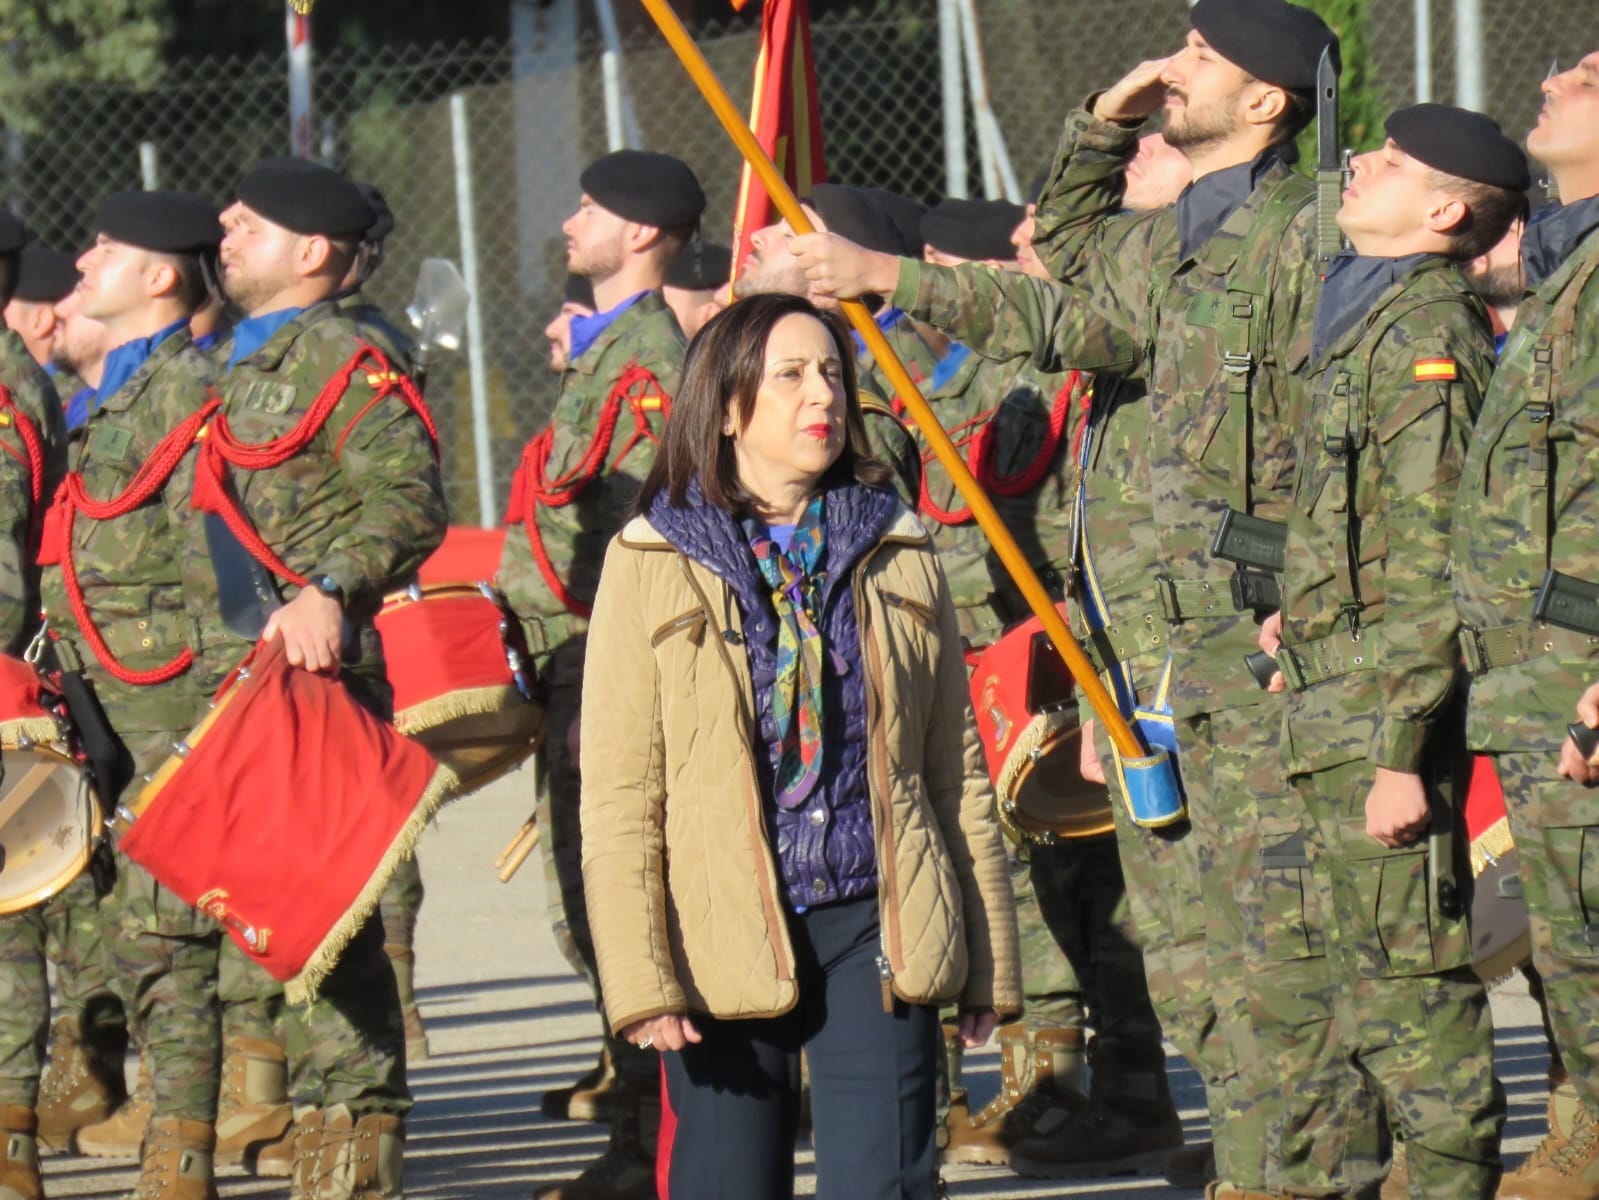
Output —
(954, 88)
(149, 166)
(1470, 89)
(477, 363)
(1423, 51)
(621, 126)
(298, 34)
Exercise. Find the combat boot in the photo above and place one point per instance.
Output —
(297, 1153)
(121, 1135)
(1039, 1077)
(626, 1171)
(358, 1158)
(82, 1083)
(1129, 1126)
(253, 1106)
(176, 1163)
(589, 1099)
(403, 960)
(1565, 1165)
(19, 1164)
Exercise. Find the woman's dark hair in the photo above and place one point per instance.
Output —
(725, 366)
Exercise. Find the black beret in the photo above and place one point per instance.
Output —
(1458, 142)
(640, 185)
(905, 213)
(45, 275)
(306, 198)
(383, 223)
(1273, 40)
(13, 234)
(975, 229)
(578, 291)
(166, 222)
(701, 268)
(851, 212)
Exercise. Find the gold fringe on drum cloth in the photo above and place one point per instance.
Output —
(453, 706)
(1034, 739)
(43, 731)
(304, 986)
(1491, 844)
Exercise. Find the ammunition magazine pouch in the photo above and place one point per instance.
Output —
(1256, 547)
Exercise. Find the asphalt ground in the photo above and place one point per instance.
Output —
(506, 1020)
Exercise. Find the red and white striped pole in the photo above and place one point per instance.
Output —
(298, 33)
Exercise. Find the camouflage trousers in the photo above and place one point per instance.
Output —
(1555, 823)
(1082, 903)
(64, 928)
(1407, 1009)
(560, 788)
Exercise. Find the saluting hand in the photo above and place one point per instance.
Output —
(1396, 808)
(839, 269)
(1136, 95)
(311, 626)
(1572, 764)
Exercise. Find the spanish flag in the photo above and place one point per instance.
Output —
(784, 116)
(1436, 370)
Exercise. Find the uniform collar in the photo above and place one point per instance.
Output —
(1354, 285)
(950, 366)
(1553, 235)
(253, 333)
(586, 330)
(124, 362)
(1205, 204)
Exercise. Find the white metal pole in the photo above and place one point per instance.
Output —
(297, 30)
(954, 89)
(1423, 51)
(149, 166)
(477, 364)
(998, 176)
(1470, 87)
(621, 124)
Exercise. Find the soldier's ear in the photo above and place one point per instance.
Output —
(1448, 215)
(161, 278)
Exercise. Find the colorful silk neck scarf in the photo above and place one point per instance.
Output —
(796, 582)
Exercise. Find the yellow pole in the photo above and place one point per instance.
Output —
(982, 508)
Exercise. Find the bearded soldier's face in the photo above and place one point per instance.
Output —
(1204, 95)
(595, 241)
(257, 258)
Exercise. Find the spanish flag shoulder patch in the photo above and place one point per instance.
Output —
(1436, 370)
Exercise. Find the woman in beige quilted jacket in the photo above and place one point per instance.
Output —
(788, 840)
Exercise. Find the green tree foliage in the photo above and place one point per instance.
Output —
(1361, 108)
(68, 41)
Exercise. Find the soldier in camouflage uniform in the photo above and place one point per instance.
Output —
(142, 279)
(352, 524)
(1203, 305)
(254, 1116)
(29, 401)
(1401, 354)
(1014, 423)
(1526, 516)
(571, 494)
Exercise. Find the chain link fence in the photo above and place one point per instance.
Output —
(509, 128)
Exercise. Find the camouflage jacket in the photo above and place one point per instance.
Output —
(889, 441)
(34, 398)
(376, 327)
(1008, 406)
(1218, 438)
(645, 339)
(911, 344)
(362, 503)
(1390, 404)
(130, 567)
(1529, 502)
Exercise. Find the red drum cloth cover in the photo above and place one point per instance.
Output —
(287, 816)
(446, 658)
(1486, 823)
(22, 715)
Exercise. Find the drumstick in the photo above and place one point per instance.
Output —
(515, 854)
(23, 792)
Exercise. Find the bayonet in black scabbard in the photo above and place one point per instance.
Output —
(1329, 164)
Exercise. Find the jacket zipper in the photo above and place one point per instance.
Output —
(915, 607)
(687, 620)
(877, 753)
(785, 969)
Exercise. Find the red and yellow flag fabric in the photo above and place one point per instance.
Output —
(784, 115)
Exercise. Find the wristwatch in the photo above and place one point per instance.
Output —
(328, 586)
